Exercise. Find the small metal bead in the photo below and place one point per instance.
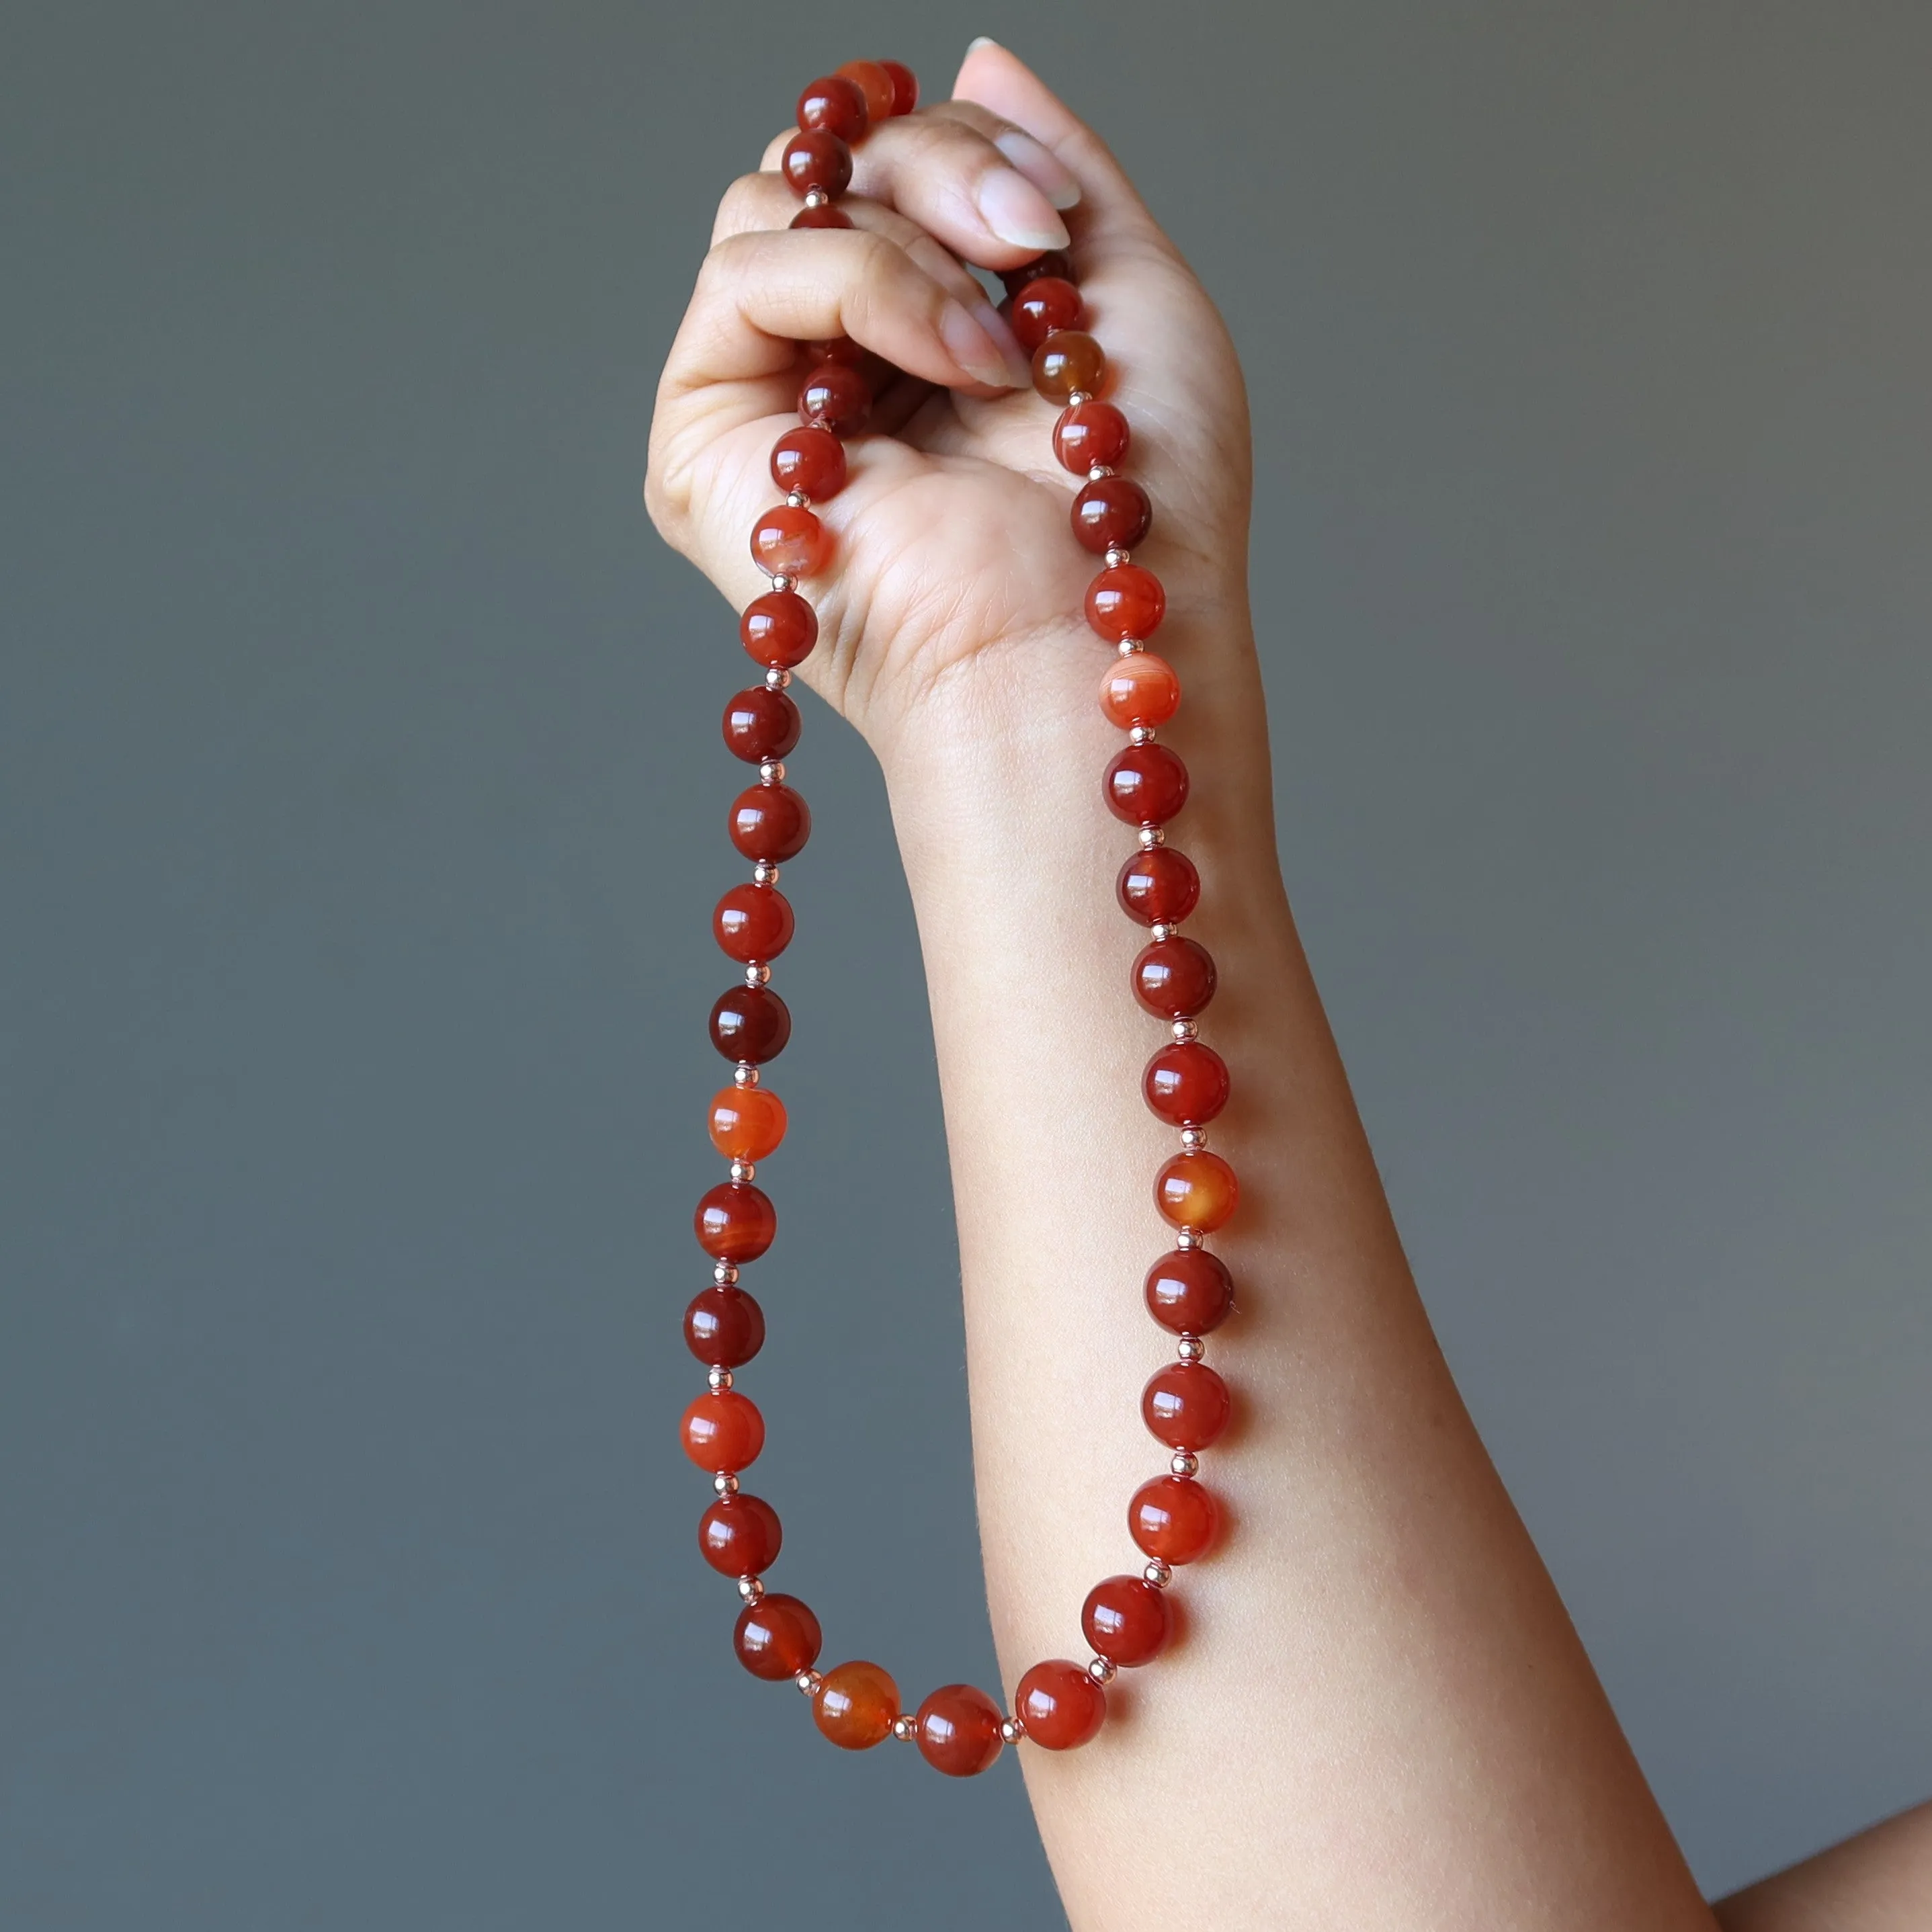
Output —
(1103, 1670)
(771, 771)
(810, 1682)
(1074, 397)
(1163, 928)
(816, 197)
(1190, 1348)
(1012, 1730)
(1128, 646)
(776, 680)
(751, 1589)
(1116, 557)
(1186, 1029)
(1151, 835)
(758, 974)
(744, 1074)
(905, 1727)
(1193, 1139)
(1096, 471)
(797, 500)
(719, 1378)
(1141, 734)
(780, 581)
(744, 1170)
(725, 1274)
(1158, 1574)
(1185, 1463)
(764, 873)
(724, 1483)
(1188, 1238)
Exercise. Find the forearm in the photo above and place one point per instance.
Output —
(1378, 1712)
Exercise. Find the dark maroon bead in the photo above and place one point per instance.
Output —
(1190, 1291)
(905, 85)
(760, 723)
(740, 1535)
(1173, 978)
(1053, 263)
(1043, 306)
(815, 159)
(724, 1328)
(827, 214)
(1112, 513)
(833, 105)
(750, 1023)
(1186, 1084)
(1145, 784)
(770, 822)
(735, 1222)
(835, 397)
(1159, 886)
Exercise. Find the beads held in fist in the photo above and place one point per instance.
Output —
(810, 460)
(835, 397)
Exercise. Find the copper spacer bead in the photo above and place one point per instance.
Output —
(771, 771)
(797, 500)
(764, 873)
(1116, 557)
(776, 680)
(1190, 1348)
(724, 1483)
(758, 974)
(1193, 1139)
(905, 1727)
(744, 1170)
(1103, 1670)
(1188, 1238)
(1141, 734)
(1186, 1029)
(1157, 1573)
(1163, 928)
(744, 1074)
(1185, 1463)
(816, 197)
(1011, 1730)
(1128, 646)
(751, 1589)
(1096, 471)
(1151, 835)
(810, 1682)
(719, 1378)
(725, 1274)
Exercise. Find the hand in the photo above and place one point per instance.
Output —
(955, 586)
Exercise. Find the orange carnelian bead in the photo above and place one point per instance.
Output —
(875, 82)
(778, 629)
(1173, 1518)
(810, 459)
(1112, 513)
(789, 542)
(723, 1430)
(739, 1535)
(1158, 885)
(1068, 360)
(1145, 784)
(753, 922)
(735, 1222)
(771, 822)
(1126, 1620)
(1126, 601)
(814, 158)
(748, 1123)
(1089, 433)
(827, 214)
(750, 1023)
(760, 723)
(1173, 978)
(1198, 1191)
(1042, 308)
(958, 1730)
(1186, 1405)
(776, 1637)
(905, 85)
(1140, 688)
(856, 1704)
(834, 105)
(1190, 1291)
(1061, 1705)
(724, 1328)
(1186, 1084)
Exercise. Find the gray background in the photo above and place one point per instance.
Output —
(362, 815)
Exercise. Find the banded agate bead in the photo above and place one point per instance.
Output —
(856, 1704)
(723, 1430)
(1197, 1191)
(747, 1122)
(735, 1222)
(788, 542)
(957, 1730)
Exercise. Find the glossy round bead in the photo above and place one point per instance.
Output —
(1112, 513)
(1068, 361)
(1190, 1291)
(1197, 1191)
(809, 459)
(760, 723)
(1186, 1084)
(753, 922)
(735, 1222)
(1061, 1705)
(834, 105)
(776, 1637)
(723, 1431)
(750, 1023)
(816, 158)
(1126, 1620)
(724, 1328)
(834, 349)
(1158, 885)
(1173, 978)
(875, 82)
(789, 542)
(957, 1730)
(739, 1535)
(1186, 1405)
(778, 629)
(1145, 784)
(1089, 433)
(747, 1122)
(1055, 262)
(834, 396)
(856, 1704)
(1173, 1518)
(1125, 600)
(905, 85)
(1040, 308)
(827, 214)
(1140, 688)
(770, 822)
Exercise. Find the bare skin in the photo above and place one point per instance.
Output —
(1380, 1715)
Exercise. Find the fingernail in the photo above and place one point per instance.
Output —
(1019, 363)
(1041, 165)
(970, 346)
(1017, 212)
(980, 41)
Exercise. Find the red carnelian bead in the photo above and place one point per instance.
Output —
(1173, 978)
(1112, 513)
(834, 349)
(816, 159)
(770, 821)
(1197, 1191)
(752, 1023)
(739, 1536)
(778, 629)
(905, 85)
(876, 83)
(1140, 688)
(1061, 1705)
(1126, 1620)
(1186, 1084)
(1068, 360)
(1145, 784)
(724, 1328)
(957, 1730)
(760, 723)
(1186, 1405)
(1053, 263)
(810, 459)
(834, 396)
(834, 105)
(776, 1637)
(1173, 1518)
(1190, 1291)
(735, 1222)
(753, 922)
(747, 1122)
(856, 1704)
(789, 542)
(1126, 601)
(1088, 433)
(827, 214)
(723, 1430)
(1158, 885)
(1040, 308)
